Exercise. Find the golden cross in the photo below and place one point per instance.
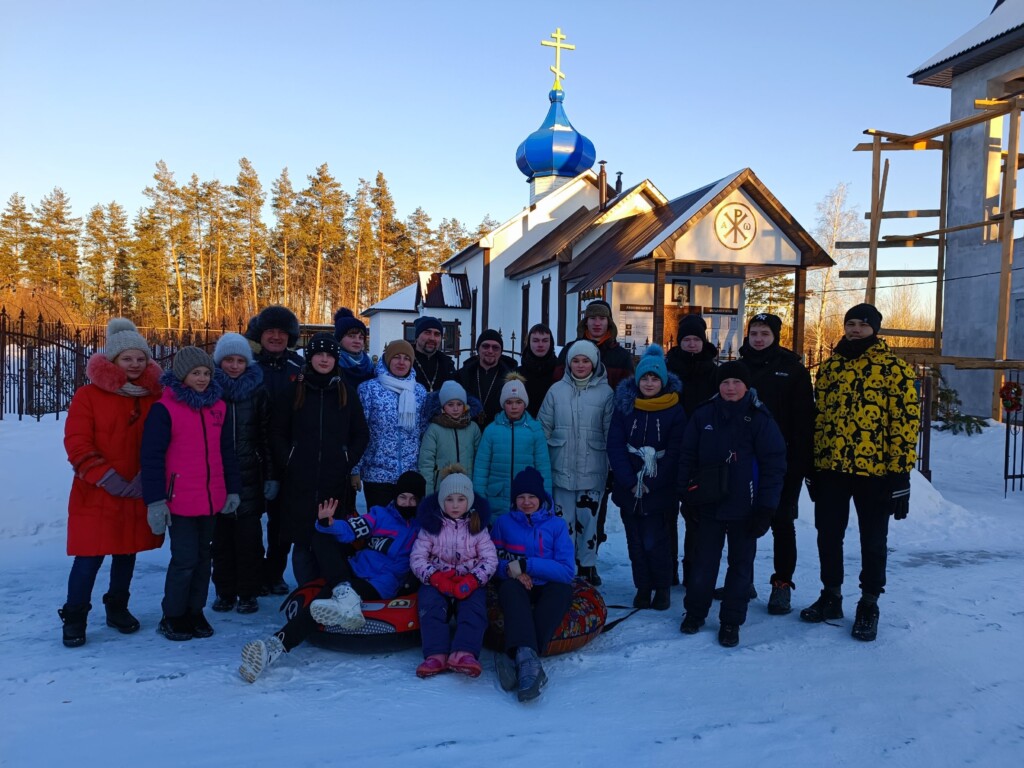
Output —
(559, 46)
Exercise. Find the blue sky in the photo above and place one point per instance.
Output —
(438, 95)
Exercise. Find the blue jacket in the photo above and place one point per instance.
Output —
(744, 436)
(662, 430)
(392, 449)
(389, 537)
(541, 539)
(506, 449)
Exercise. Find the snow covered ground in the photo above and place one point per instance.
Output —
(943, 685)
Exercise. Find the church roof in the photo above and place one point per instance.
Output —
(440, 290)
(402, 300)
(1000, 33)
(556, 148)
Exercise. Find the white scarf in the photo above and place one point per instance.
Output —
(406, 391)
(648, 465)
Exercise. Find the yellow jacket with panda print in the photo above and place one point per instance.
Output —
(867, 414)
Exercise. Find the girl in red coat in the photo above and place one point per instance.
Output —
(106, 516)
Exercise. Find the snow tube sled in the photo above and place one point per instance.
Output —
(582, 622)
(390, 624)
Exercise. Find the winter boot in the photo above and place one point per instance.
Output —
(779, 602)
(691, 624)
(865, 625)
(224, 603)
(505, 666)
(729, 635)
(258, 655)
(530, 673)
(176, 627)
(118, 615)
(434, 664)
(341, 609)
(662, 599)
(719, 593)
(642, 599)
(827, 607)
(200, 626)
(247, 605)
(464, 662)
(74, 624)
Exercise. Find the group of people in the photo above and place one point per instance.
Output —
(492, 471)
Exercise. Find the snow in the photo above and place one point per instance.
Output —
(942, 685)
(1006, 18)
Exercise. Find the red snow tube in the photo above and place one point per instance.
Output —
(390, 624)
(582, 622)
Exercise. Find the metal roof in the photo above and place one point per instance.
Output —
(440, 290)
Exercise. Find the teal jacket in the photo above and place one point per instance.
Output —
(506, 449)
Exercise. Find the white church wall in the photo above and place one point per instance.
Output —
(385, 327)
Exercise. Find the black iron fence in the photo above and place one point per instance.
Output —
(1013, 461)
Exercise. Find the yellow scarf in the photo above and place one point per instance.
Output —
(659, 403)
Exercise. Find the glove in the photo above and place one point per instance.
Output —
(809, 481)
(516, 568)
(443, 582)
(761, 522)
(231, 504)
(116, 485)
(271, 489)
(465, 585)
(158, 515)
(899, 488)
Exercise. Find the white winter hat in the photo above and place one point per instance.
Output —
(515, 387)
(455, 482)
(583, 347)
(121, 335)
(232, 344)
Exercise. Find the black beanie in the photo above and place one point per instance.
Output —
(322, 342)
(411, 482)
(345, 321)
(774, 323)
(734, 369)
(866, 313)
(692, 325)
(489, 335)
(425, 323)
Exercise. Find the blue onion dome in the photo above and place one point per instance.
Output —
(556, 148)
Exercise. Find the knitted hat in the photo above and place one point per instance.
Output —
(188, 359)
(281, 318)
(322, 342)
(528, 481)
(583, 347)
(774, 323)
(734, 369)
(455, 482)
(692, 325)
(489, 335)
(653, 361)
(232, 344)
(121, 335)
(398, 346)
(515, 387)
(598, 309)
(411, 482)
(425, 323)
(451, 390)
(345, 321)
(866, 313)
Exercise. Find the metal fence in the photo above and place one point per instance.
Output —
(1013, 461)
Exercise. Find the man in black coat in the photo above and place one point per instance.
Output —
(276, 330)
(433, 367)
(597, 326)
(783, 384)
(483, 375)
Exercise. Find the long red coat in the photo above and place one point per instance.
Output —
(103, 430)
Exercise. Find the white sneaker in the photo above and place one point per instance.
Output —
(342, 609)
(258, 655)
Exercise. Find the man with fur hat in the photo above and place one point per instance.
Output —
(433, 367)
(597, 326)
(865, 445)
(784, 385)
(484, 374)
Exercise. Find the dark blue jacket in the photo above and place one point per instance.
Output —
(663, 431)
(541, 539)
(744, 436)
(279, 374)
(389, 537)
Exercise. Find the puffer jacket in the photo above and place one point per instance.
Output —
(187, 456)
(248, 423)
(867, 413)
(576, 422)
(384, 561)
(444, 544)
(541, 539)
(696, 372)
(103, 431)
(506, 449)
(743, 436)
(316, 445)
(448, 441)
(635, 427)
(393, 449)
(279, 372)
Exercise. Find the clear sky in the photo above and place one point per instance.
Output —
(438, 95)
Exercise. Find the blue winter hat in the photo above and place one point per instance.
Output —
(528, 481)
(653, 361)
(345, 321)
(232, 344)
(426, 323)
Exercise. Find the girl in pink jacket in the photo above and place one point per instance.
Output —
(454, 557)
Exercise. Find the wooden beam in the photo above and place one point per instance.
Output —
(964, 122)
(1007, 202)
(860, 274)
(908, 333)
(855, 245)
(877, 206)
(923, 213)
(658, 331)
(799, 309)
(964, 363)
(940, 259)
(891, 146)
(939, 231)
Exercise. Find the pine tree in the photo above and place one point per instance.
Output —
(323, 225)
(149, 269)
(421, 240)
(53, 253)
(362, 235)
(168, 211)
(121, 287)
(97, 254)
(452, 237)
(15, 234)
(383, 219)
(247, 198)
(286, 235)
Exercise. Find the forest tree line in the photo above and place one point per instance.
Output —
(201, 251)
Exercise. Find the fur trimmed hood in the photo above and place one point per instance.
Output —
(627, 392)
(432, 406)
(242, 388)
(191, 398)
(110, 378)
